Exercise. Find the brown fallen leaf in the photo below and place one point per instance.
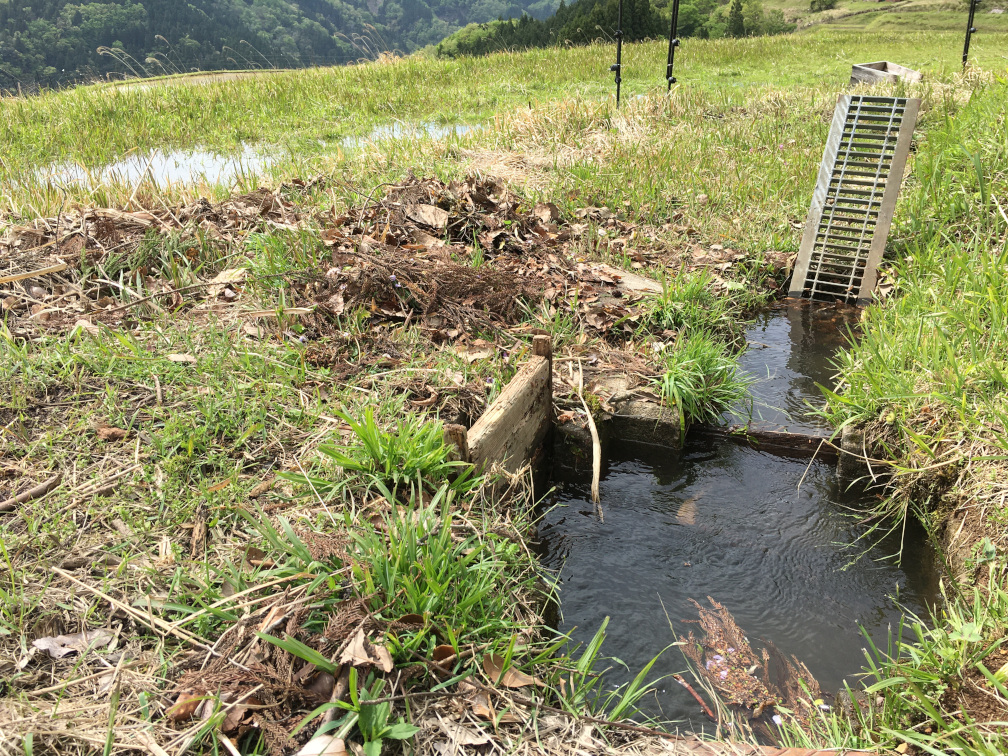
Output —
(185, 706)
(442, 654)
(221, 280)
(181, 358)
(428, 215)
(358, 653)
(478, 700)
(493, 665)
(233, 719)
(460, 735)
(62, 645)
(87, 326)
(547, 213)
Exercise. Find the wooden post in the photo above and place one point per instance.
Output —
(542, 346)
(456, 435)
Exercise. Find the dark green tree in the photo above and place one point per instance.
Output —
(736, 21)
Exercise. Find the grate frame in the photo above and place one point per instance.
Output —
(854, 199)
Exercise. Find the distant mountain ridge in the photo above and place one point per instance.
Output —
(56, 42)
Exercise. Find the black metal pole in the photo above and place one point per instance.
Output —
(618, 65)
(673, 43)
(970, 30)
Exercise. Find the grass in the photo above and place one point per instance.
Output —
(921, 690)
(301, 117)
(701, 380)
(907, 15)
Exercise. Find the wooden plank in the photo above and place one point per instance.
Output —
(33, 273)
(772, 442)
(693, 746)
(516, 423)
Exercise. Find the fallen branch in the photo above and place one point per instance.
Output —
(703, 704)
(34, 273)
(33, 493)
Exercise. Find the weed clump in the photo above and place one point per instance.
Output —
(701, 379)
(409, 460)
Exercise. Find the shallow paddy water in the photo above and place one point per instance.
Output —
(167, 167)
(762, 534)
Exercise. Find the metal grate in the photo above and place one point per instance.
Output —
(854, 198)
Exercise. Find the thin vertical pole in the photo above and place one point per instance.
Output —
(618, 65)
(970, 31)
(673, 43)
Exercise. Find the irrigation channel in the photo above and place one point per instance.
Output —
(767, 535)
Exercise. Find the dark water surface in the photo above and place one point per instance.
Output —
(723, 520)
(791, 349)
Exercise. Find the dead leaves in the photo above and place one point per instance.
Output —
(362, 652)
(108, 433)
(79, 643)
(493, 666)
(428, 215)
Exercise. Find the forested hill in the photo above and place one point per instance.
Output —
(588, 20)
(55, 42)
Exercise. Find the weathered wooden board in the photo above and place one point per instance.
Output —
(694, 747)
(773, 442)
(517, 421)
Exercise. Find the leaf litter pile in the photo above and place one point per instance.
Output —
(300, 632)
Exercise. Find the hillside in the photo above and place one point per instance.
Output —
(589, 20)
(55, 42)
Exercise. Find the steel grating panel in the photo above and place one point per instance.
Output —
(855, 195)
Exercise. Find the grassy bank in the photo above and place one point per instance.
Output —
(203, 377)
(928, 385)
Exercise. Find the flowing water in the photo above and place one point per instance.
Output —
(762, 534)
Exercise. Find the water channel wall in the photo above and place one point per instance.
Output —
(516, 423)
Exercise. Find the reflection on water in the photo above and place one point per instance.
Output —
(165, 168)
(400, 130)
(730, 522)
(791, 349)
(206, 167)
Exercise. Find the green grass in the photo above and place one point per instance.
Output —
(302, 116)
(700, 379)
(916, 690)
(903, 16)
